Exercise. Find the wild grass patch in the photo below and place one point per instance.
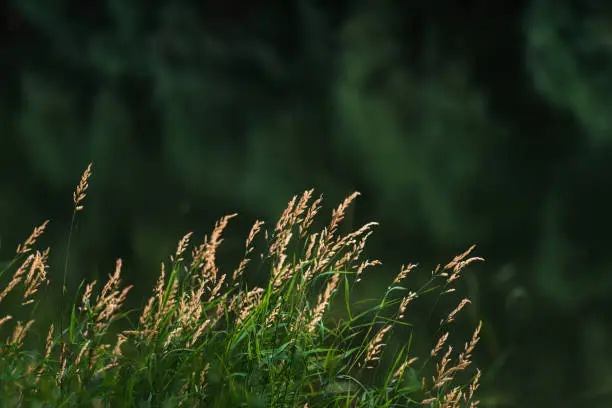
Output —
(206, 338)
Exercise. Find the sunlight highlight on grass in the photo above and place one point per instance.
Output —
(206, 338)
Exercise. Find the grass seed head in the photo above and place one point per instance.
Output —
(29, 243)
(81, 191)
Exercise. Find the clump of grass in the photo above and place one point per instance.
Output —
(207, 338)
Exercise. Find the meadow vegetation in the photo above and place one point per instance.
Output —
(206, 338)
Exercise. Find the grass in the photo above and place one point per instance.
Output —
(205, 338)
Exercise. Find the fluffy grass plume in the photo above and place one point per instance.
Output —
(205, 338)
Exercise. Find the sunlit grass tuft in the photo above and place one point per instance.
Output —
(206, 338)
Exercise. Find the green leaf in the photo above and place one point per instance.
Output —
(73, 321)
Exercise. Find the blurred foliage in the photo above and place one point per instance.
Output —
(569, 55)
(471, 124)
(432, 131)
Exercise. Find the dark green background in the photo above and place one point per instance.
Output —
(460, 122)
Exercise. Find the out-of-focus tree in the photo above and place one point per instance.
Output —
(569, 55)
(421, 137)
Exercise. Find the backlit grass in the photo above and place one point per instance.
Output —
(205, 338)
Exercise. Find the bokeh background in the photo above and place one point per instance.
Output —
(460, 122)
